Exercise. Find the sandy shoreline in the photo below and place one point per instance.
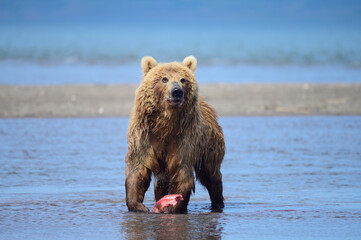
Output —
(227, 99)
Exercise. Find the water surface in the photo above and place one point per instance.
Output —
(63, 54)
(284, 177)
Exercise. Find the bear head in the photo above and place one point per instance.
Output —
(169, 86)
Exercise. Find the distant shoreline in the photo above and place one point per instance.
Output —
(49, 101)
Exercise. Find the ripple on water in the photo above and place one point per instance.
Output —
(283, 177)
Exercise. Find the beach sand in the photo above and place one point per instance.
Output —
(228, 100)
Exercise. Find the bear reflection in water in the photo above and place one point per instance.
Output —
(173, 134)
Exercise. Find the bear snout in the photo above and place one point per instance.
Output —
(177, 93)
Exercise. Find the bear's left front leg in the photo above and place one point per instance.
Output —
(136, 184)
(182, 183)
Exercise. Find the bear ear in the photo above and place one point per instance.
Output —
(190, 62)
(147, 64)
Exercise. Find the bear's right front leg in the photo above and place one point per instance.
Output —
(136, 184)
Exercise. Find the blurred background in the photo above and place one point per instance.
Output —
(82, 41)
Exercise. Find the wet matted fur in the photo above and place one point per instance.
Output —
(174, 135)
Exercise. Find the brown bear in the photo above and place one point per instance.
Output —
(173, 134)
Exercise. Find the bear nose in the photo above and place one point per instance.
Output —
(177, 93)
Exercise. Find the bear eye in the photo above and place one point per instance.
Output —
(183, 80)
(165, 80)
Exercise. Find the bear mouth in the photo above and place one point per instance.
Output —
(175, 102)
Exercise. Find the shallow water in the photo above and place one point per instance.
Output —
(54, 74)
(117, 44)
(108, 54)
(284, 177)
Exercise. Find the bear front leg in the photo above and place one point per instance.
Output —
(136, 184)
(182, 183)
